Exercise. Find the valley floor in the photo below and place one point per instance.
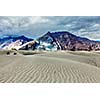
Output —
(50, 67)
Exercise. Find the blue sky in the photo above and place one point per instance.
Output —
(35, 26)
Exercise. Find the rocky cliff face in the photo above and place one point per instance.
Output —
(67, 41)
(51, 41)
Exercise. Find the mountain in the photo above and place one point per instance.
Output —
(66, 41)
(50, 41)
(13, 41)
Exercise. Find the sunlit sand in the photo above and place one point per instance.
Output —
(50, 67)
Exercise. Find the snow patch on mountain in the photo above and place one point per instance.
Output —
(10, 42)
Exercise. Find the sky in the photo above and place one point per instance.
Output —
(35, 26)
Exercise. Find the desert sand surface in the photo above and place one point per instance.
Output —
(50, 67)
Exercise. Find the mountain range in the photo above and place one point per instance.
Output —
(9, 42)
(62, 40)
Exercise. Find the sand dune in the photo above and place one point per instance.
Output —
(50, 67)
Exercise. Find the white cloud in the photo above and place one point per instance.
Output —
(37, 25)
(38, 19)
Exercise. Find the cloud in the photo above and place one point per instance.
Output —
(34, 26)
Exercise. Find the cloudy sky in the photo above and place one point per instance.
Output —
(35, 26)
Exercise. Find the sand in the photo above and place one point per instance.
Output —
(50, 67)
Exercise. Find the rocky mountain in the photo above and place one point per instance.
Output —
(50, 41)
(13, 41)
(62, 41)
(66, 41)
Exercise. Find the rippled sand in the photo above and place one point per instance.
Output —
(50, 67)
